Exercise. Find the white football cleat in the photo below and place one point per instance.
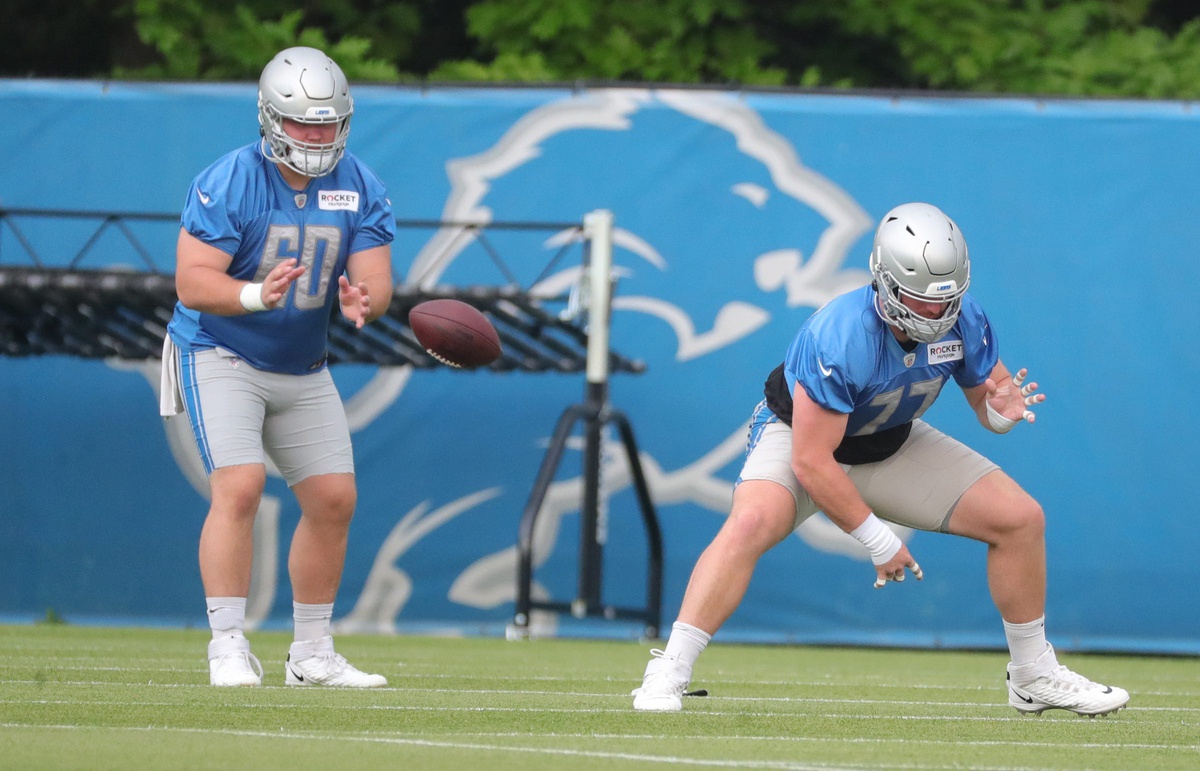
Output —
(1059, 688)
(663, 684)
(314, 662)
(230, 663)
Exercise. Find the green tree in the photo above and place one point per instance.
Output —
(1087, 48)
(231, 40)
(673, 41)
(1079, 47)
(1134, 48)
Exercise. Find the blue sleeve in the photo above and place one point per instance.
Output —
(823, 376)
(210, 213)
(378, 225)
(981, 349)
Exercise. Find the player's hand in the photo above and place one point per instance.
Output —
(276, 284)
(355, 301)
(893, 569)
(1013, 398)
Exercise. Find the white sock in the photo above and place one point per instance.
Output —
(312, 621)
(686, 642)
(1026, 641)
(226, 616)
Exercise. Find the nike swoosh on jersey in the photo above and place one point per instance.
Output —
(203, 198)
(824, 371)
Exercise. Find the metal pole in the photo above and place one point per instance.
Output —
(597, 229)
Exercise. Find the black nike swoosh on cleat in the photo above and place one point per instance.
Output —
(1026, 699)
(296, 674)
(1108, 689)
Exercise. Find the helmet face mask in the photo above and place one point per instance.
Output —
(306, 86)
(919, 253)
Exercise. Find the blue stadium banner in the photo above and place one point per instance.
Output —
(736, 215)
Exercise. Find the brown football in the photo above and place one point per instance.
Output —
(455, 333)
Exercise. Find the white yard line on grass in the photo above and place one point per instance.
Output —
(997, 704)
(1065, 718)
(559, 751)
(824, 740)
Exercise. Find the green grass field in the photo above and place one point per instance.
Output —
(99, 698)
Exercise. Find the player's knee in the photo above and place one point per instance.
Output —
(237, 490)
(756, 528)
(1023, 519)
(330, 497)
(1032, 518)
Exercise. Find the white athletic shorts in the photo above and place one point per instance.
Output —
(917, 487)
(238, 413)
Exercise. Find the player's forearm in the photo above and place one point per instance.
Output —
(379, 288)
(207, 290)
(831, 489)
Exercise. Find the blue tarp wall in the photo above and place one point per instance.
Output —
(737, 215)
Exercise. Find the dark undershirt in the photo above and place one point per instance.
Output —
(854, 450)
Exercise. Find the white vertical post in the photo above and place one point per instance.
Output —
(597, 228)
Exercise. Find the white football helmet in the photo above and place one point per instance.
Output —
(919, 252)
(305, 85)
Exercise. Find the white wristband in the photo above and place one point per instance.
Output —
(879, 539)
(251, 298)
(999, 423)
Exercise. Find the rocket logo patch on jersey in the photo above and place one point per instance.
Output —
(944, 350)
(337, 200)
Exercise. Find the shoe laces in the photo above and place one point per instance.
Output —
(250, 659)
(668, 668)
(334, 663)
(1065, 679)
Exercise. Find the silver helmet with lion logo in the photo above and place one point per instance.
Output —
(920, 253)
(304, 85)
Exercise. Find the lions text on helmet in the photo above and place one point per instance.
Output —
(919, 254)
(304, 110)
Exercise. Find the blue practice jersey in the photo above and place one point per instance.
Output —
(242, 206)
(847, 360)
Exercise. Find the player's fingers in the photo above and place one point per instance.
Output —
(284, 279)
(1019, 378)
(880, 583)
(1029, 416)
(916, 571)
(282, 269)
(1028, 389)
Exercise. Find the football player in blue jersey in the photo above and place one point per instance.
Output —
(840, 431)
(274, 234)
